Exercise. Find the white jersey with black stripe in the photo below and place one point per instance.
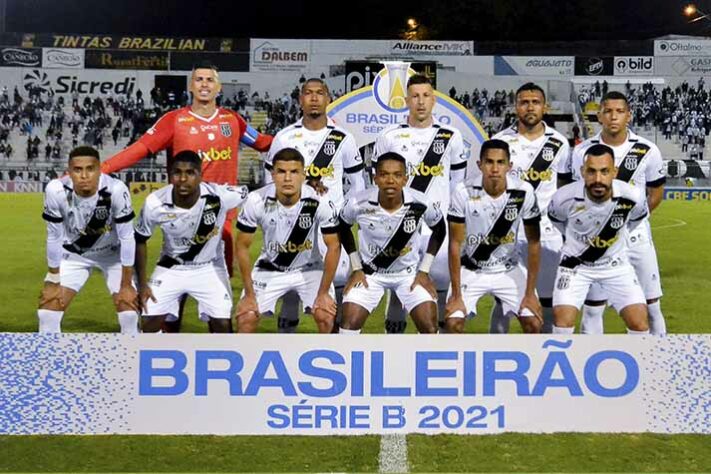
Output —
(447, 145)
(639, 163)
(199, 226)
(289, 233)
(89, 223)
(596, 232)
(538, 162)
(346, 165)
(492, 223)
(387, 242)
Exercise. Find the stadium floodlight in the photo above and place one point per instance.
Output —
(692, 10)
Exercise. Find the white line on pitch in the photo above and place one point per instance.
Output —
(393, 453)
(678, 223)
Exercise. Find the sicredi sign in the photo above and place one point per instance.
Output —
(83, 83)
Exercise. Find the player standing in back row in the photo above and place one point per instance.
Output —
(436, 162)
(538, 154)
(639, 163)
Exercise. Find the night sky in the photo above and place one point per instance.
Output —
(515, 20)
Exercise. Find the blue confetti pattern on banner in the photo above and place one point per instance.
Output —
(64, 384)
(677, 392)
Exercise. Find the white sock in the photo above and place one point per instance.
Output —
(591, 322)
(349, 332)
(499, 321)
(558, 330)
(637, 333)
(547, 327)
(657, 325)
(128, 320)
(49, 321)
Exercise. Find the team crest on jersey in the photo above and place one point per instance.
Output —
(305, 221)
(631, 164)
(226, 129)
(548, 154)
(438, 146)
(101, 213)
(510, 214)
(616, 222)
(409, 225)
(209, 218)
(329, 148)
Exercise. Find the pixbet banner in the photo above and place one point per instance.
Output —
(324, 385)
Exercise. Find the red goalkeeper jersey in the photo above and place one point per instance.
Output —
(216, 139)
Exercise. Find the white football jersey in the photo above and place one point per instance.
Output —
(433, 155)
(330, 154)
(596, 232)
(538, 162)
(289, 233)
(190, 236)
(89, 223)
(638, 161)
(387, 242)
(492, 223)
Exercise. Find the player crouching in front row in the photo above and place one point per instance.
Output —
(290, 213)
(191, 214)
(389, 219)
(89, 226)
(595, 216)
(484, 217)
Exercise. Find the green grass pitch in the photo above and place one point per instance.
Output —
(681, 232)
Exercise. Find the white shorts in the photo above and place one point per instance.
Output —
(369, 297)
(439, 272)
(209, 284)
(269, 286)
(550, 257)
(343, 271)
(643, 258)
(509, 287)
(74, 271)
(617, 281)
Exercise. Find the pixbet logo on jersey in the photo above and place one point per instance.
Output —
(215, 154)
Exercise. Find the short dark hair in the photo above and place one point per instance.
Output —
(317, 80)
(288, 154)
(390, 156)
(530, 87)
(615, 95)
(418, 79)
(204, 65)
(599, 150)
(187, 156)
(495, 144)
(84, 150)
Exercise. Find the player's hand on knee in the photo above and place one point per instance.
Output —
(423, 279)
(127, 299)
(247, 305)
(530, 304)
(51, 295)
(145, 294)
(324, 302)
(356, 280)
(454, 304)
